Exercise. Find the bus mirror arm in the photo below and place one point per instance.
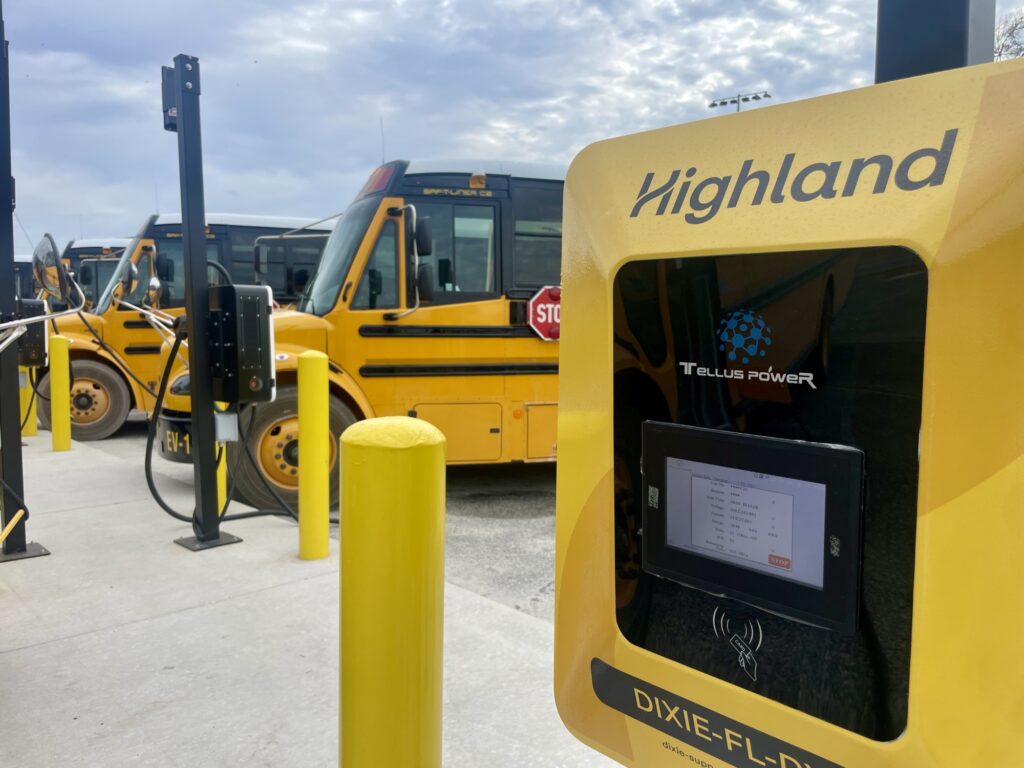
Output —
(424, 291)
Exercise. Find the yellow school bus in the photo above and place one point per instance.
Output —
(446, 339)
(115, 349)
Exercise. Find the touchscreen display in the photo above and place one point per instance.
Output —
(766, 523)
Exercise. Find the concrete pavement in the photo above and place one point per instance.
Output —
(122, 648)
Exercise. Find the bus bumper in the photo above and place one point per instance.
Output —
(174, 436)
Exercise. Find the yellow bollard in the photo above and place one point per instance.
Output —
(392, 593)
(222, 471)
(60, 394)
(314, 457)
(28, 403)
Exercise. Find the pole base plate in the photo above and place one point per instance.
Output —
(194, 544)
(32, 550)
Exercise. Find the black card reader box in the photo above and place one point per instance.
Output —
(776, 524)
(242, 344)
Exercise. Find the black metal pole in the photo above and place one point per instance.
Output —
(186, 88)
(15, 547)
(917, 37)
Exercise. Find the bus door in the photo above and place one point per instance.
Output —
(445, 362)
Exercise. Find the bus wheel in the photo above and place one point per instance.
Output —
(100, 401)
(272, 436)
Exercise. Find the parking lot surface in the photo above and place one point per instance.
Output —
(122, 648)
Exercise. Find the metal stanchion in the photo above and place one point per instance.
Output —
(314, 457)
(181, 90)
(60, 399)
(28, 403)
(392, 593)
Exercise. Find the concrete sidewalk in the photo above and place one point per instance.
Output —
(123, 649)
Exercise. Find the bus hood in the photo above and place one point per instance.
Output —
(73, 327)
(295, 332)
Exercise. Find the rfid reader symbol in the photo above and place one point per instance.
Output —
(744, 638)
(744, 335)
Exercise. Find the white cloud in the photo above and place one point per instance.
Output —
(293, 92)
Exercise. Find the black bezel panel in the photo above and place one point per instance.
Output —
(839, 468)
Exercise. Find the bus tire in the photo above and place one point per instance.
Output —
(271, 432)
(100, 401)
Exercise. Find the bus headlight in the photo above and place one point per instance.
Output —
(181, 385)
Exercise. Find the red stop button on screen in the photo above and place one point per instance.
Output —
(544, 312)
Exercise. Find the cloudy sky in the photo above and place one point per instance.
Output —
(294, 92)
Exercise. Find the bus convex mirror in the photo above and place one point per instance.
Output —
(153, 292)
(424, 236)
(129, 279)
(49, 270)
(425, 282)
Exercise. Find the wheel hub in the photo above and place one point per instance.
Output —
(278, 452)
(90, 401)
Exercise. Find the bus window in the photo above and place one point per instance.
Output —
(537, 251)
(240, 255)
(378, 288)
(464, 256)
(289, 263)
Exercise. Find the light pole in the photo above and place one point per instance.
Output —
(738, 99)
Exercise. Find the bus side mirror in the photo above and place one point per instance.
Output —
(164, 268)
(87, 280)
(444, 272)
(50, 272)
(260, 258)
(425, 282)
(424, 236)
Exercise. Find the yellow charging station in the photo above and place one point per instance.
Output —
(790, 509)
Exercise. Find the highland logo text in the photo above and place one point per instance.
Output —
(700, 200)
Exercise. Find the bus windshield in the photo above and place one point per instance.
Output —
(322, 293)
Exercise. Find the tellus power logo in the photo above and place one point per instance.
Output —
(744, 336)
